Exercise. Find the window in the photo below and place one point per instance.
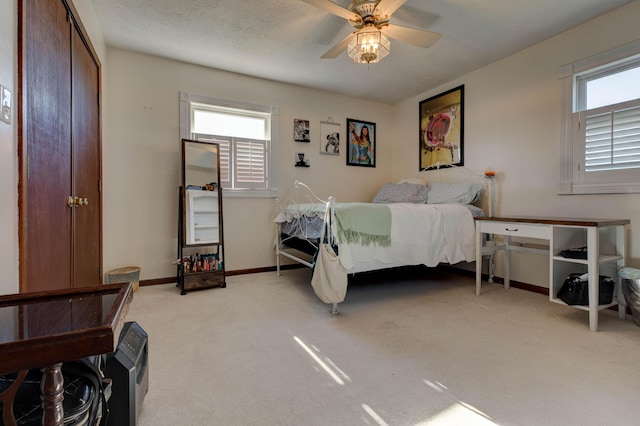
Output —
(601, 123)
(247, 138)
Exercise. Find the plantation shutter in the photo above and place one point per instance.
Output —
(612, 137)
(251, 162)
(223, 143)
(247, 167)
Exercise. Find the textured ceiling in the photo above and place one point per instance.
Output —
(283, 40)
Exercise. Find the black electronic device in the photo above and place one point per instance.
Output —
(128, 369)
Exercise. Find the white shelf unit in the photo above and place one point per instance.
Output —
(202, 217)
(605, 255)
(606, 244)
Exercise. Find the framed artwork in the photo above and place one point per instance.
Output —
(361, 143)
(301, 130)
(300, 160)
(329, 138)
(441, 124)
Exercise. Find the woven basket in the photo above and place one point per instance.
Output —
(127, 274)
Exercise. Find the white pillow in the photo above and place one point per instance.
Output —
(453, 193)
(402, 193)
(414, 180)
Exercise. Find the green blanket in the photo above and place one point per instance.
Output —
(363, 223)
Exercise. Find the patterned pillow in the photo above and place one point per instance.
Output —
(402, 193)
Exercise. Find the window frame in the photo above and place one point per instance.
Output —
(572, 178)
(187, 100)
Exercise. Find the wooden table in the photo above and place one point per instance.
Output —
(44, 329)
(605, 240)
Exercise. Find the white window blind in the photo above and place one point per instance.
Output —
(612, 137)
(251, 158)
(224, 144)
(247, 167)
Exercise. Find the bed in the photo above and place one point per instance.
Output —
(407, 223)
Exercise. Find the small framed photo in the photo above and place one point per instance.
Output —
(361, 146)
(300, 160)
(329, 138)
(301, 130)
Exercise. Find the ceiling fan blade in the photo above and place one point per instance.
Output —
(387, 7)
(339, 47)
(335, 9)
(420, 38)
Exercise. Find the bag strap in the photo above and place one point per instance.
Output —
(327, 223)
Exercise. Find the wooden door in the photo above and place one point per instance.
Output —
(60, 242)
(45, 252)
(86, 167)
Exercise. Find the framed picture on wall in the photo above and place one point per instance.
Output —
(441, 121)
(301, 130)
(361, 143)
(329, 138)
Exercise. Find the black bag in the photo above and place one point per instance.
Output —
(575, 291)
(575, 253)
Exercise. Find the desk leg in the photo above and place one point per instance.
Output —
(507, 263)
(52, 394)
(478, 259)
(594, 277)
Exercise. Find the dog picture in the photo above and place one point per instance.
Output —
(329, 138)
(333, 143)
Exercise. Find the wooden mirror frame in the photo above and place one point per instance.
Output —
(205, 184)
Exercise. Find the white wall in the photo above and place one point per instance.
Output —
(141, 159)
(8, 155)
(512, 124)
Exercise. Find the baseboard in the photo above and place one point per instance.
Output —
(169, 280)
(157, 281)
(515, 284)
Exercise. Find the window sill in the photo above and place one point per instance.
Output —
(599, 188)
(249, 193)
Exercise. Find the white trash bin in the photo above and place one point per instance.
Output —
(630, 281)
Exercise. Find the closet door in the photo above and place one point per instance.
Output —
(46, 220)
(86, 167)
(60, 235)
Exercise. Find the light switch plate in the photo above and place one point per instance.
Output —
(5, 102)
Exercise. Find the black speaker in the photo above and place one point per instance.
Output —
(128, 369)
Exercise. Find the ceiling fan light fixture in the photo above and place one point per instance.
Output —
(369, 46)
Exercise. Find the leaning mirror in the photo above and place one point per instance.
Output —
(201, 196)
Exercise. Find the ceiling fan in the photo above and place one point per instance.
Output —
(368, 44)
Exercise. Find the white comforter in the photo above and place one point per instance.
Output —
(421, 234)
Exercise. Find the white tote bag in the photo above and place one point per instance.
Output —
(329, 279)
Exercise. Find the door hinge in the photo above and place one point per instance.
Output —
(99, 185)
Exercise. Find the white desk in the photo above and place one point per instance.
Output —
(605, 240)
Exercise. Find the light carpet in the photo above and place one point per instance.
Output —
(412, 347)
